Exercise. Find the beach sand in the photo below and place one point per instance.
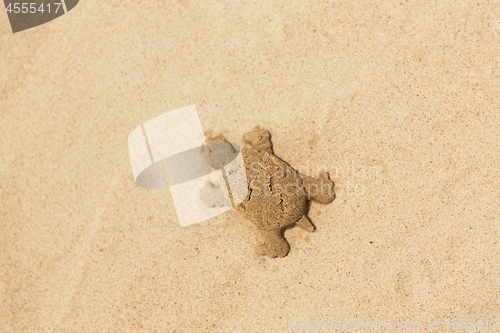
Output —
(397, 100)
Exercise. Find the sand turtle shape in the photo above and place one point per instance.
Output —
(278, 196)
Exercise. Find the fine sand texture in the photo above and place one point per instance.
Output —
(399, 101)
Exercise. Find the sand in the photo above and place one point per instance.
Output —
(398, 100)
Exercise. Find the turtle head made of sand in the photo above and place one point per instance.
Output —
(278, 196)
